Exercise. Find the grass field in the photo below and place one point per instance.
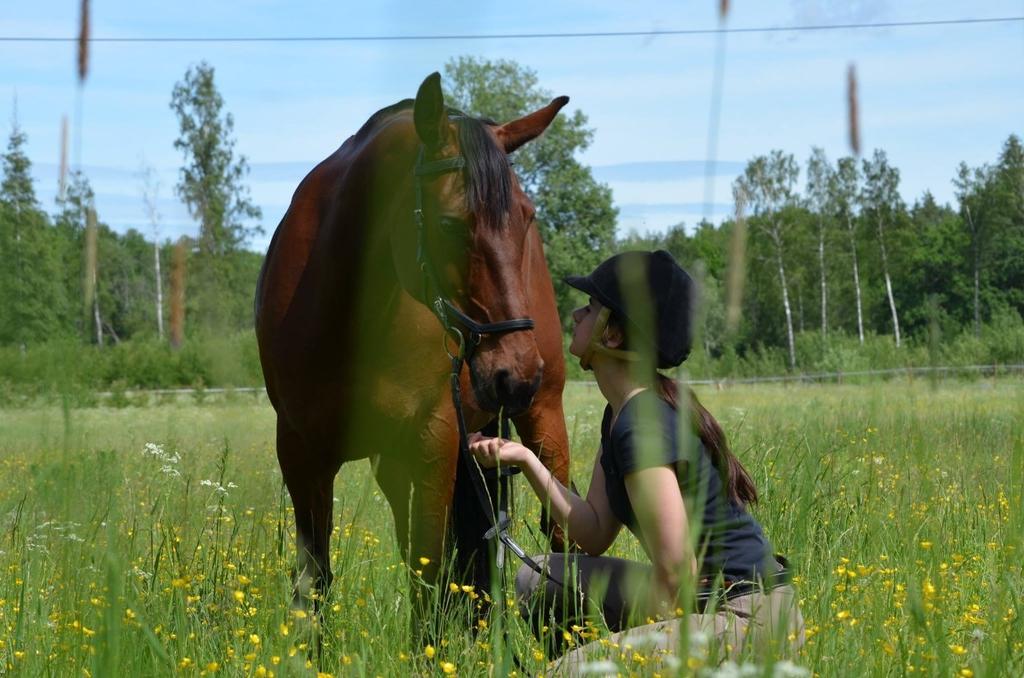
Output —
(152, 540)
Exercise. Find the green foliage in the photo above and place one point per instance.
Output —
(575, 214)
(16, 189)
(211, 186)
(32, 299)
(68, 368)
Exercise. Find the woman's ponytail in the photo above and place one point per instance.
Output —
(738, 482)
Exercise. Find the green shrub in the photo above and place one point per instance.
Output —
(67, 371)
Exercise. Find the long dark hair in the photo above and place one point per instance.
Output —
(736, 479)
(738, 482)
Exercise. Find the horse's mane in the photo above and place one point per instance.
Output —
(487, 174)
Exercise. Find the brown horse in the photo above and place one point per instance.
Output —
(419, 207)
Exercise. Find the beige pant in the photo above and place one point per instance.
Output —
(767, 621)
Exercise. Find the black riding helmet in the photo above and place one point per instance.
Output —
(670, 288)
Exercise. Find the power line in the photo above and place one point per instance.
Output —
(521, 36)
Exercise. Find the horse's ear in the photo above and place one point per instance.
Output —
(429, 113)
(514, 134)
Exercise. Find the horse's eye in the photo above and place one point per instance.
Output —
(453, 227)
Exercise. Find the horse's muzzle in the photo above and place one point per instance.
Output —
(502, 391)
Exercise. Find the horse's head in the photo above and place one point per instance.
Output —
(472, 220)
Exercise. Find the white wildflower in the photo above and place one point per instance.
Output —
(787, 669)
(782, 669)
(217, 487)
(599, 668)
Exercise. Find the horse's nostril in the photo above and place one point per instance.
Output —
(510, 393)
(502, 383)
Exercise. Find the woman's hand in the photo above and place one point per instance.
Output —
(491, 452)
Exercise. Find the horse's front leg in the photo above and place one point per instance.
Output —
(542, 429)
(418, 480)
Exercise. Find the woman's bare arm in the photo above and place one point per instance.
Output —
(661, 516)
(588, 522)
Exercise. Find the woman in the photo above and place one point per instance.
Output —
(678, 488)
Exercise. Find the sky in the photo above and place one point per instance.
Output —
(930, 96)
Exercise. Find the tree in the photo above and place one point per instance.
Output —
(16, 189)
(767, 187)
(77, 222)
(150, 189)
(819, 178)
(973, 191)
(575, 214)
(120, 279)
(844, 190)
(211, 186)
(31, 297)
(935, 294)
(881, 199)
(70, 223)
(1006, 272)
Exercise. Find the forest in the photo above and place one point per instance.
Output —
(824, 266)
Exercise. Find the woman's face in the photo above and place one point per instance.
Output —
(583, 319)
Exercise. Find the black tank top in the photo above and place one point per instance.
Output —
(730, 539)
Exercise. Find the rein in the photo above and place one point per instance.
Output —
(454, 321)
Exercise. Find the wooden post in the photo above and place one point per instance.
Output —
(178, 270)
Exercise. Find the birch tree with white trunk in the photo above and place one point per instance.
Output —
(844, 188)
(819, 174)
(767, 187)
(150, 190)
(882, 202)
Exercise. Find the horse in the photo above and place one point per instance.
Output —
(394, 248)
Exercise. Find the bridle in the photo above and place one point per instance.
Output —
(454, 321)
(449, 315)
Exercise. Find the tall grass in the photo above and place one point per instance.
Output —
(148, 541)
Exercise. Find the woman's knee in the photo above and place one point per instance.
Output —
(528, 580)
